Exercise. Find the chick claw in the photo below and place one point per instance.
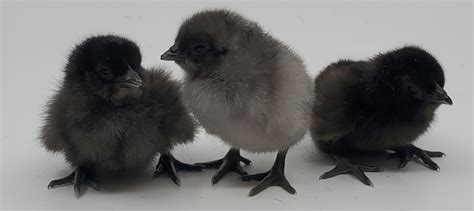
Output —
(80, 176)
(408, 153)
(274, 177)
(269, 178)
(169, 165)
(345, 166)
(230, 163)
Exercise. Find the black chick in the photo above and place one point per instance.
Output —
(105, 119)
(384, 103)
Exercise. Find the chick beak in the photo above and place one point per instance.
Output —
(173, 54)
(440, 96)
(130, 79)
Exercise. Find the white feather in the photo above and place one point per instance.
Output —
(264, 120)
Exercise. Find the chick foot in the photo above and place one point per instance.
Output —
(81, 176)
(169, 165)
(230, 163)
(408, 153)
(346, 166)
(274, 177)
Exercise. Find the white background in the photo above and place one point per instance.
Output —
(37, 36)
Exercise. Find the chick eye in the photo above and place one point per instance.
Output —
(105, 72)
(412, 89)
(200, 48)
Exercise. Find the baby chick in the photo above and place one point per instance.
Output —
(384, 103)
(245, 87)
(110, 115)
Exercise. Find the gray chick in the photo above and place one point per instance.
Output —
(246, 87)
(384, 103)
(111, 115)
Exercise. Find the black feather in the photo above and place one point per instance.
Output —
(365, 105)
(97, 122)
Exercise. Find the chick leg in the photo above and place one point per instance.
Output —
(230, 163)
(346, 166)
(81, 176)
(169, 165)
(407, 153)
(274, 177)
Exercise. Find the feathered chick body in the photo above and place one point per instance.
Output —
(242, 84)
(259, 106)
(384, 103)
(257, 95)
(103, 121)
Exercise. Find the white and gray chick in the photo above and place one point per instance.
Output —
(246, 87)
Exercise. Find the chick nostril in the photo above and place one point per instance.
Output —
(173, 49)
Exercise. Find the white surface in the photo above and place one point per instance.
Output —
(36, 38)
